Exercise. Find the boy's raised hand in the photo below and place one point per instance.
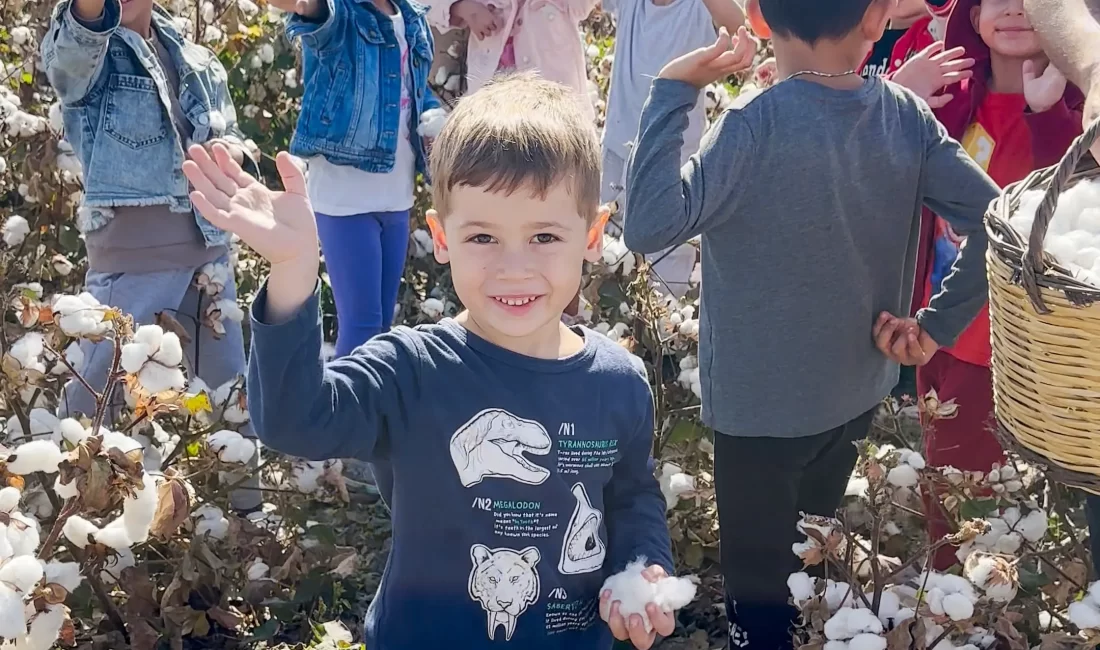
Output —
(933, 69)
(903, 340)
(707, 65)
(1043, 91)
(633, 629)
(278, 225)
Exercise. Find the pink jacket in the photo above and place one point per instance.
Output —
(546, 39)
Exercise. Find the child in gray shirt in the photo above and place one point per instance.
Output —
(808, 201)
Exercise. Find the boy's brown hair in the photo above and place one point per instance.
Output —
(518, 131)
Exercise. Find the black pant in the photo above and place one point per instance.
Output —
(761, 485)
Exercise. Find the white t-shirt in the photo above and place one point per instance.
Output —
(342, 190)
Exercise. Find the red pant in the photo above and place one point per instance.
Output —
(966, 441)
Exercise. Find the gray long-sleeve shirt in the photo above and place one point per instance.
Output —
(808, 201)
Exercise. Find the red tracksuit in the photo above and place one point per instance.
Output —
(1000, 133)
(898, 46)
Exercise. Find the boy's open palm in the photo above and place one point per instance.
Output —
(707, 65)
(278, 225)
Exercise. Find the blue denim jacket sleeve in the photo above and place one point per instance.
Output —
(315, 34)
(73, 54)
(431, 100)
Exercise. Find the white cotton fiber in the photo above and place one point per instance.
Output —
(867, 642)
(45, 628)
(801, 586)
(1073, 237)
(138, 512)
(958, 607)
(66, 574)
(23, 537)
(78, 530)
(22, 572)
(114, 536)
(431, 123)
(35, 456)
(9, 499)
(1084, 615)
(12, 623)
(633, 592)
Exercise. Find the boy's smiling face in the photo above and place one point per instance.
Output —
(516, 259)
(1005, 29)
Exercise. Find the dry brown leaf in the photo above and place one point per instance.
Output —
(173, 506)
(1006, 630)
(900, 638)
(346, 566)
(229, 619)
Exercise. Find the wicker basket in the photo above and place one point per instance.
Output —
(1045, 328)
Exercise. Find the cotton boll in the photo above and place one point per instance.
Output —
(170, 352)
(134, 356)
(903, 476)
(70, 431)
(22, 572)
(23, 537)
(231, 447)
(958, 607)
(35, 456)
(867, 642)
(888, 607)
(44, 629)
(1033, 526)
(837, 594)
(66, 574)
(836, 645)
(211, 522)
(633, 592)
(9, 499)
(13, 625)
(935, 597)
(79, 530)
(431, 122)
(156, 378)
(432, 308)
(114, 535)
(138, 512)
(1084, 616)
(15, 230)
(801, 586)
(1008, 543)
(912, 459)
(423, 245)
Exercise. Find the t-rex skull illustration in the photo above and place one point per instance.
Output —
(492, 444)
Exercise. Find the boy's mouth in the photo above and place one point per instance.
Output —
(516, 303)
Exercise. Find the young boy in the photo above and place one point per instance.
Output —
(520, 448)
(1015, 115)
(808, 202)
(649, 34)
(135, 93)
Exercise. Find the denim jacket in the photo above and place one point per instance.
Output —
(351, 68)
(116, 110)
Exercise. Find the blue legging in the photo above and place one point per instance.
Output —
(365, 259)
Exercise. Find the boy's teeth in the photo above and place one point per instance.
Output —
(515, 302)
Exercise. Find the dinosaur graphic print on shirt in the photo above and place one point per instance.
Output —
(492, 444)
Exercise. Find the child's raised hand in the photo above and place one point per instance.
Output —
(903, 340)
(633, 629)
(1043, 91)
(300, 7)
(278, 225)
(707, 65)
(933, 69)
(482, 20)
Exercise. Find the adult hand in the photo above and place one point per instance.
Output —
(903, 340)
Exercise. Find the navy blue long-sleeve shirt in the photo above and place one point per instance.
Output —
(520, 484)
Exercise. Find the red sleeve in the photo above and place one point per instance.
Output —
(915, 39)
(1052, 132)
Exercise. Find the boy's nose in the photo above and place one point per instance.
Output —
(514, 265)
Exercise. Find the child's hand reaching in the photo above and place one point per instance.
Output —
(278, 225)
(903, 340)
(633, 628)
(307, 8)
(931, 70)
(1043, 91)
(707, 65)
(483, 21)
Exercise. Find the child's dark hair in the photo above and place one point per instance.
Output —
(811, 21)
(518, 131)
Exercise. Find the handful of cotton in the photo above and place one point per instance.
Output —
(431, 122)
(633, 591)
(1073, 238)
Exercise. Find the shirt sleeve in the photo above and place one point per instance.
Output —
(348, 408)
(73, 51)
(956, 189)
(316, 33)
(635, 507)
(677, 203)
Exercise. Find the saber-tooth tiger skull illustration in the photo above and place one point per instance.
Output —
(492, 444)
(505, 582)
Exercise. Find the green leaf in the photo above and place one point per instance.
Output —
(193, 449)
(683, 431)
(27, 78)
(266, 631)
(323, 534)
(1031, 581)
(69, 238)
(977, 509)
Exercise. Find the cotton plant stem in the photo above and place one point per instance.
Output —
(72, 370)
(104, 402)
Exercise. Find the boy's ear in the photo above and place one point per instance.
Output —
(876, 18)
(595, 235)
(439, 238)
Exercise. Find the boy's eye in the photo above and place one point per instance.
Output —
(481, 239)
(546, 238)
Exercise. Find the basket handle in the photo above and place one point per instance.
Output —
(1032, 263)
